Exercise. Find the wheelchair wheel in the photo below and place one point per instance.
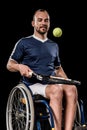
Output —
(77, 121)
(20, 109)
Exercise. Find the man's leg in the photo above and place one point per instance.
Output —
(55, 94)
(71, 105)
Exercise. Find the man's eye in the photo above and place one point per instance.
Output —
(39, 20)
(46, 20)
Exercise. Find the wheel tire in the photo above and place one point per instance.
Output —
(20, 109)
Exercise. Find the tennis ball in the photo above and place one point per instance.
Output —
(57, 32)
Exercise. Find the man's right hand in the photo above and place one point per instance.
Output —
(25, 70)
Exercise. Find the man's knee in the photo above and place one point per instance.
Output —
(57, 91)
(72, 92)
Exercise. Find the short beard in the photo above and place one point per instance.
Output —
(41, 32)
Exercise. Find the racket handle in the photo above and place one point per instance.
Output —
(37, 76)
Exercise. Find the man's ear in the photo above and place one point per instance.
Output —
(32, 23)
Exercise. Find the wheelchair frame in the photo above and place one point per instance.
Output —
(20, 110)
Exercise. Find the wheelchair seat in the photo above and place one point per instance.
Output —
(25, 111)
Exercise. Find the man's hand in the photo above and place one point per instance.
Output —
(25, 70)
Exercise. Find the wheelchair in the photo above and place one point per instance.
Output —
(23, 111)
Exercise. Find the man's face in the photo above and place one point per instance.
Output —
(41, 22)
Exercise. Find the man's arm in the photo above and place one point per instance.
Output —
(60, 72)
(14, 66)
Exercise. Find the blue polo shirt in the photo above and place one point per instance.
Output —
(41, 56)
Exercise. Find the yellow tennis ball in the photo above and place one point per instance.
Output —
(57, 32)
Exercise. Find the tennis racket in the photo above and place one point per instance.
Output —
(55, 80)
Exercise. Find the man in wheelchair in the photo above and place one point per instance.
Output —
(38, 54)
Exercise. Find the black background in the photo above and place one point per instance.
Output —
(15, 22)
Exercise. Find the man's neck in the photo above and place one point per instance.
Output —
(40, 36)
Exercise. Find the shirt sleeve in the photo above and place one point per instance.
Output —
(17, 52)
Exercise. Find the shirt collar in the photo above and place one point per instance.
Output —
(40, 39)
